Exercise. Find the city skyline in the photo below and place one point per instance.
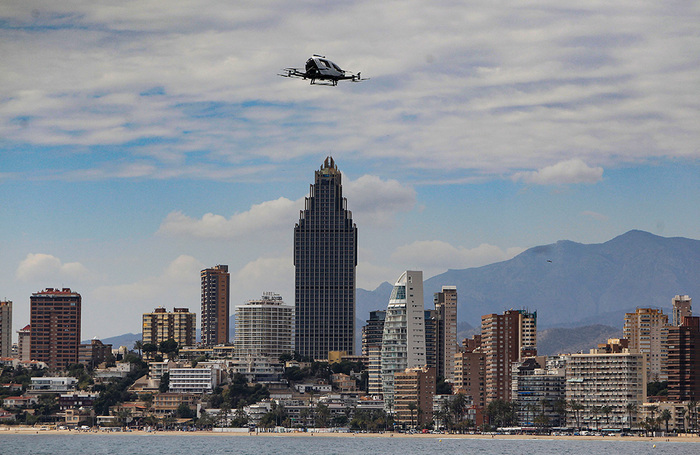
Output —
(140, 145)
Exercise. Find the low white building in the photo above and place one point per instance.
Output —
(52, 385)
(256, 368)
(201, 379)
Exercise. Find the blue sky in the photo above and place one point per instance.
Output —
(143, 141)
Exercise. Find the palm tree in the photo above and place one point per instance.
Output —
(412, 407)
(665, 416)
(606, 410)
(138, 345)
(684, 412)
(652, 410)
(631, 409)
(595, 410)
(692, 418)
(576, 408)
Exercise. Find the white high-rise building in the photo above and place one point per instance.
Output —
(403, 340)
(264, 327)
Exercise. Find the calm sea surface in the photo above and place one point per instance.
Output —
(319, 445)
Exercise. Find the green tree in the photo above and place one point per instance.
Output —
(169, 347)
(631, 409)
(501, 413)
(164, 383)
(412, 408)
(149, 349)
(666, 416)
(576, 407)
(184, 412)
(138, 346)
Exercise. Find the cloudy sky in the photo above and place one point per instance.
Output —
(141, 141)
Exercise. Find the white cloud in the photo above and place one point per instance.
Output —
(266, 218)
(490, 91)
(375, 201)
(47, 268)
(564, 172)
(273, 274)
(118, 308)
(435, 256)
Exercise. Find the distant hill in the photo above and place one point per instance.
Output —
(572, 340)
(127, 339)
(571, 284)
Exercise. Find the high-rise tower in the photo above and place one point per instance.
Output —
(647, 332)
(446, 308)
(5, 328)
(403, 341)
(325, 257)
(506, 338)
(55, 327)
(682, 307)
(264, 327)
(215, 305)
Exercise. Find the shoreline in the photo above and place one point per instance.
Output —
(30, 431)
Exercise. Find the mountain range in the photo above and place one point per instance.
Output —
(582, 289)
(569, 284)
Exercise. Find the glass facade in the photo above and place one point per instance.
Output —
(325, 258)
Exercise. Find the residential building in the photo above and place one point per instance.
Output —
(203, 378)
(646, 331)
(161, 325)
(24, 343)
(682, 307)
(55, 327)
(264, 327)
(506, 338)
(595, 381)
(431, 324)
(539, 393)
(94, 353)
(263, 369)
(23, 401)
(470, 372)
(680, 420)
(446, 307)
(216, 283)
(683, 365)
(414, 389)
(48, 384)
(403, 341)
(325, 259)
(167, 403)
(372, 332)
(5, 328)
(76, 400)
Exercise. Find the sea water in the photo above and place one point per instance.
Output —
(120, 444)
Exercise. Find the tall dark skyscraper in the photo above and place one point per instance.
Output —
(325, 257)
(216, 283)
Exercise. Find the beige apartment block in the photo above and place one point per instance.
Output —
(647, 332)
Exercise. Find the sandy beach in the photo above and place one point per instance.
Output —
(689, 438)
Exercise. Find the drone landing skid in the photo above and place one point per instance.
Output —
(331, 83)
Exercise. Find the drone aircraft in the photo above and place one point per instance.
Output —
(321, 71)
